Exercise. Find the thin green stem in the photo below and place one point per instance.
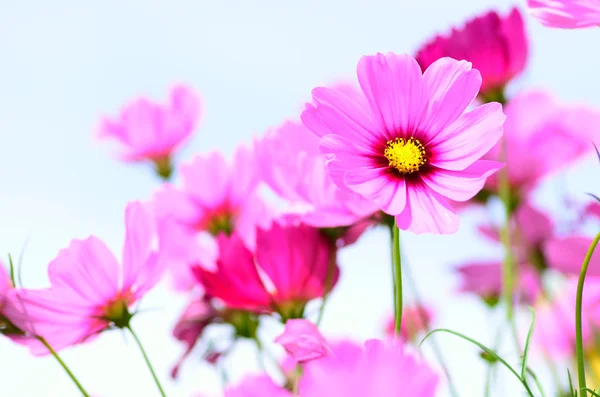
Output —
(578, 321)
(139, 343)
(393, 263)
(508, 263)
(398, 278)
(65, 367)
(328, 282)
(259, 350)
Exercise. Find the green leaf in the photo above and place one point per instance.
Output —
(571, 388)
(529, 334)
(536, 380)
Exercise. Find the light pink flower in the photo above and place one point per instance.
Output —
(412, 151)
(150, 131)
(257, 386)
(303, 341)
(5, 285)
(415, 321)
(382, 369)
(566, 254)
(542, 136)
(292, 165)
(216, 197)
(291, 266)
(567, 14)
(90, 291)
(497, 47)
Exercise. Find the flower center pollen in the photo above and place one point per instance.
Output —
(406, 156)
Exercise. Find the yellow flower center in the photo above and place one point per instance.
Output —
(406, 156)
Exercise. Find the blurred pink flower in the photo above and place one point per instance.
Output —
(303, 341)
(191, 324)
(151, 131)
(566, 254)
(412, 151)
(592, 210)
(291, 266)
(90, 291)
(216, 197)
(415, 321)
(497, 47)
(567, 14)
(542, 136)
(5, 285)
(382, 369)
(292, 165)
(257, 386)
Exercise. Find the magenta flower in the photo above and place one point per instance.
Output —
(497, 47)
(537, 126)
(257, 386)
(412, 151)
(149, 131)
(292, 265)
(566, 14)
(566, 254)
(216, 197)
(90, 292)
(415, 321)
(303, 341)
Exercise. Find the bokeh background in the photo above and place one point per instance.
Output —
(64, 64)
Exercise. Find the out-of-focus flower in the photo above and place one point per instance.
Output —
(412, 151)
(216, 198)
(149, 131)
(294, 168)
(90, 292)
(303, 341)
(566, 254)
(415, 321)
(382, 369)
(497, 47)
(542, 136)
(566, 14)
(257, 386)
(592, 210)
(292, 265)
(190, 326)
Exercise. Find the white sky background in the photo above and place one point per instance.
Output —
(66, 63)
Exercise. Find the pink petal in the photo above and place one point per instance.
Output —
(379, 185)
(451, 85)
(343, 157)
(207, 179)
(567, 254)
(303, 341)
(461, 185)
(534, 226)
(427, 212)
(393, 84)
(468, 138)
(257, 386)
(566, 14)
(245, 177)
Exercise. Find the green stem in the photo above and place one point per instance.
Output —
(328, 282)
(393, 263)
(259, 350)
(507, 264)
(65, 367)
(398, 278)
(578, 321)
(139, 343)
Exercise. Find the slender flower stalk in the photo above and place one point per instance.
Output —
(578, 321)
(139, 343)
(398, 278)
(65, 367)
(507, 265)
(328, 283)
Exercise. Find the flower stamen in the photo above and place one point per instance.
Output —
(406, 156)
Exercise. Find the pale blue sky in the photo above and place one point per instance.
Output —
(65, 63)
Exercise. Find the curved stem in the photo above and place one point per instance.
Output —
(398, 279)
(65, 367)
(139, 343)
(578, 320)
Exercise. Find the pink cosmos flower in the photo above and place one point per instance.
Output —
(303, 341)
(90, 292)
(292, 165)
(537, 126)
(566, 14)
(292, 265)
(216, 197)
(592, 210)
(497, 47)
(412, 150)
(415, 321)
(566, 254)
(150, 131)
(257, 386)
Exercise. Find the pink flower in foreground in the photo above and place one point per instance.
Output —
(257, 386)
(412, 151)
(415, 321)
(292, 265)
(497, 47)
(567, 14)
(566, 254)
(216, 197)
(150, 131)
(542, 136)
(303, 341)
(292, 165)
(90, 292)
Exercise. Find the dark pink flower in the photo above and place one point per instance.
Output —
(566, 14)
(497, 47)
(412, 151)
